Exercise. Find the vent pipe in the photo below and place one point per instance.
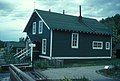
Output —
(63, 11)
(49, 10)
(80, 17)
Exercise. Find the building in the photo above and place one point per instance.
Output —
(62, 36)
(13, 47)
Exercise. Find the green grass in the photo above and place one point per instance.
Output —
(43, 64)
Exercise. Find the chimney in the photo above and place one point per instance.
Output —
(63, 11)
(80, 17)
(49, 10)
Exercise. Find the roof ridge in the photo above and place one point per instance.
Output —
(56, 13)
(65, 14)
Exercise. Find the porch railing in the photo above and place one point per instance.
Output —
(25, 53)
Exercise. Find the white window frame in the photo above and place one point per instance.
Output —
(40, 28)
(44, 45)
(97, 47)
(107, 48)
(72, 41)
(34, 28)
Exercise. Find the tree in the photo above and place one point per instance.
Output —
(1, 44)
(114, 24)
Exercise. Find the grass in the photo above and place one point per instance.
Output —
(44, 64)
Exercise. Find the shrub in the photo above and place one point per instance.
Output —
(42, 64)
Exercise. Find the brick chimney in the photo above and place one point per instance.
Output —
(80, 17)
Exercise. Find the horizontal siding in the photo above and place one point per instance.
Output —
(62, 45)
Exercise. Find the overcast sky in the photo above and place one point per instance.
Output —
(14, 14)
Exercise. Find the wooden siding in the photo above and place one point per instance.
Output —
(62, 45)
(35, 38)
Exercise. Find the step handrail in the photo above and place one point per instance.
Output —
(20, 52)
(17, 75)
(23, 53)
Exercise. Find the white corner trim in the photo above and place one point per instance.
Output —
(111, 47)
(42, 19)
(80, 57)
(46, 57)
(51, 40)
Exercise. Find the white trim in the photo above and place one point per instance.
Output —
(97, 47)
(34, 28)
(111, 47)
(42, 19)
(44, 57)
(80, 57)
(40, 27)
(51, 38)
(107, 48)
(44, 52)
(77, 40)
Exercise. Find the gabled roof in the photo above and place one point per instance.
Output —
(71, 23)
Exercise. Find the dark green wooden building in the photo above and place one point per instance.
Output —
(62, 36)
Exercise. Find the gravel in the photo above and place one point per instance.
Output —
(76, 73)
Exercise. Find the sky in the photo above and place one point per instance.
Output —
(14, 14)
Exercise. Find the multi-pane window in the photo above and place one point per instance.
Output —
(34, 28)
(74, 42)
(44, 43)
(18, 50)
(97, 45)
(107, 45)
(40, 27)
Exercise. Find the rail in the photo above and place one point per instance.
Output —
(18, 75)
(20, 52)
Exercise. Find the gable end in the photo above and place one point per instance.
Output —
(41, 19)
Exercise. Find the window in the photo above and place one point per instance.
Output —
(97, 45)
(40, 27)
(107, 45)
(74, 42)
(18, 50)
(44, 43)
(34, 28)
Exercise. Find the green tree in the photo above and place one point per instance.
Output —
(114, 24)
